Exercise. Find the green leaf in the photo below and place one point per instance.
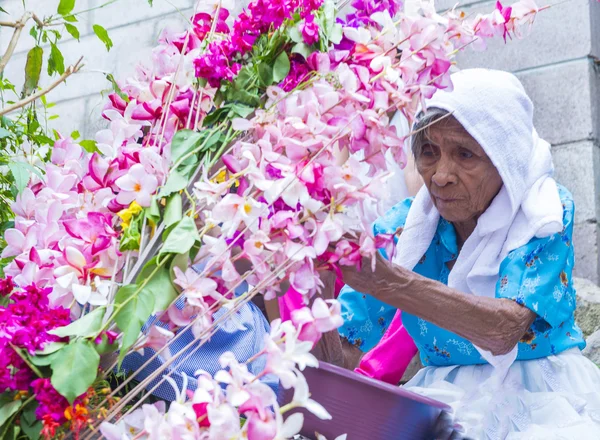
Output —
(70, 18)
(265, 74)
(183, 142)
(56, 61)
(175, 182)
(50, 347)
(3, 10)
(181, 238)
(132, 316)
(4, 133)
(152, 212)
(20, 173)
(89, 145)
(43, 361)
(75, 370)
(302, 49)
(159, 285)
(32, 427)
(75, 135)
(173, 209)
(103, 35)
(72, 30)
(295, 35)
(65, 7)
(8, 409)
(150, 3)
(87, 326)
(33, 69)
(241, 110)
(281, 68)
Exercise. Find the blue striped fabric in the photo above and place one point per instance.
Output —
(242, 343)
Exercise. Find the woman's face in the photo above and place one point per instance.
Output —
(459, 175)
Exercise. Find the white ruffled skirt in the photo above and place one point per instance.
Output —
(557, 397)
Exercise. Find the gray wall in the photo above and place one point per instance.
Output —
(557, 63)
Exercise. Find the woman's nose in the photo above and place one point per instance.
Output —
(444, 174)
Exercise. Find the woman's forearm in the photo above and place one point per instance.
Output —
(491, 323)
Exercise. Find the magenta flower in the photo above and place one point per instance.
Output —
(310, 30)
(6, 286)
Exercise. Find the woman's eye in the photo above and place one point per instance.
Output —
(466, 154)
(427, 151)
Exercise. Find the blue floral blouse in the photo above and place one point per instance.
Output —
(537, 275)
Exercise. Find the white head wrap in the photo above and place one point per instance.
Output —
(494, 108)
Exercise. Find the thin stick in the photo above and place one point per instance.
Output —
(18, 25)
(22, 103)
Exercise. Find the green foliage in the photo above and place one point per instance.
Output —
(30, 425)
(89, 145)
(281, 67)
(173, 209)
(158, 282)
(56, 61)
(72, 29)
(135, 307)
(8, 408)
(75, 370)
(102, 34)
(181, 238)
(86, 327)
(65, 7)
(33, 69)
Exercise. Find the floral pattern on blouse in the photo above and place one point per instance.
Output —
(537, 276)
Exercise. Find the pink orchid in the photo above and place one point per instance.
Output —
(95, 232)
(137, 185)
(156, 339)
(199, 291)
(304, 321)
(305, 280)
(327, 318)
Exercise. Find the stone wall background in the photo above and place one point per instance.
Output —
(558, 64)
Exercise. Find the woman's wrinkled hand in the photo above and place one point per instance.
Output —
(385, 277)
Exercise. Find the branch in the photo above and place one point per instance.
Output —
(22, 103)
(8, 24)
(18, 25)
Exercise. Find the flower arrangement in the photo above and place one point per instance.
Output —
(253, 147)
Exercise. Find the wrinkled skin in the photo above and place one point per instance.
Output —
(461, 179)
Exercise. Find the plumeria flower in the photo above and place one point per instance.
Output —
(137, 185)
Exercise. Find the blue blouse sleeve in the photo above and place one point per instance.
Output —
(366, 318)
(538, 275)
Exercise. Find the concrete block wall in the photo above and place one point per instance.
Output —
(557, 63)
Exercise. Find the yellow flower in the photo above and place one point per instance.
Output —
(220, 177)
(127, 214)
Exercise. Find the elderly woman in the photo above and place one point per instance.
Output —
(482, 273)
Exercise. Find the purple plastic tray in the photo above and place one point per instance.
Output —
(365, 408)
